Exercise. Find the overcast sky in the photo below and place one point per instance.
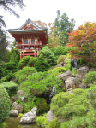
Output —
(45, 10)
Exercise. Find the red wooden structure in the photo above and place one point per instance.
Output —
(30, 38)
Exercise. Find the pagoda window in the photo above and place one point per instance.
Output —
(25, 41)
(32, 41)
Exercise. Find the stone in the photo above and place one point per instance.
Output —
(20, 108)
(65, 75)
(13, 99)
(29, 117)
(58, 65)
(82, 71)
(50, 116)
(93, 69)
(81, 85)
(20, 92)
(14, 113)
(70, 90)
(71, 82)
(14, 105)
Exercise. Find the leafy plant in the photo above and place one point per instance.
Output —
(61, 59)
(90, 77)
(23, 74)
(11, 87)
(4, 104)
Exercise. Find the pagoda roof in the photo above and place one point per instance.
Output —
(28, 21)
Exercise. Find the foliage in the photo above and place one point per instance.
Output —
(68, 64)
(20, 115)
(83, 39)
(42, 121)
(41, 105)
(54, 124)
(45, 59)
(11, 87)
(40, 82)
(67, 105)
(26, 61)
(60, 50)
(58, 70)
(61, 59)
(4, 104)
(62, 26)
(74, 72)
(33, 101)
(90, 77)
(23, 74)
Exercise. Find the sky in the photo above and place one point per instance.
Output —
(45, 10)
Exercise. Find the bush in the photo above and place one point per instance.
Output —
(60, 50)
(42, 121)
(90, 77)
(23, 74)
(61, 59)
(58, 70)
(74, 72)
(41, 82)
(45, 59)
(67, 105)
(53, 124)
(26, 61)
(68, 64)
(11, 87)
(4, 104)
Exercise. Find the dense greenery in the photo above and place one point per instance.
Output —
(11, 87)
(4, 104)
(23, 74)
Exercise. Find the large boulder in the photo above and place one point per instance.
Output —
(65, 75)
(82, 71)
(14, 113)
(50, 116)
(71, 82)
(29, 117)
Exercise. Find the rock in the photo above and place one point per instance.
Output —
(13, 99)
(29, 117)
(14, 113)
(22, 99)
(62, 63)
(71, 82)
(70, 90)
(14, 105)
(81, 85)
(65, 75)
(82, 71)
(20, 108)
(20, 92)
(50, 116)
(58, 65)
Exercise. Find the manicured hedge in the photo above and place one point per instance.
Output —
(11, 87)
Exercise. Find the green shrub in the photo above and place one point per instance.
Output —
(61, 59)
(45, 59)
(58, 70)
(66, 105)
(26, 61)
(74, 72)
(60, 50)
(53, 124)
(40, 82)
(23, 74)
(80, 61)
(20, 115)
(90, 77)
(11, 87)
(42, 121)
(4, 104)
(68, 64)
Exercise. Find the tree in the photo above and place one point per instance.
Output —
(62, 26)
(84, 42)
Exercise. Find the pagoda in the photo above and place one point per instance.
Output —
(30, 38)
